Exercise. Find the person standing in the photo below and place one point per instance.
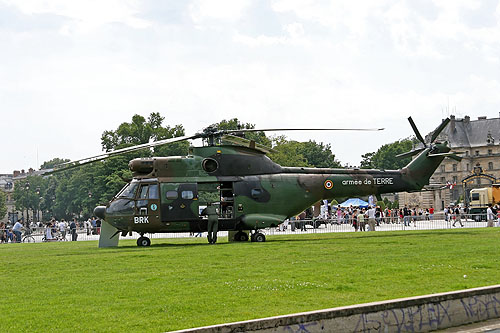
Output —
(302, 218)
(406, 216)
(62, 229)
(371, 218)
(17, 230)
(72, 228)
(94, 226)
(361, 220)
(458, 217)
(213, 223)
(490, 216)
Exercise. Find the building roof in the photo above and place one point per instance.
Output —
(463, 132)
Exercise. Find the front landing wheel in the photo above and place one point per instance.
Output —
(241, 236)
(143, 241)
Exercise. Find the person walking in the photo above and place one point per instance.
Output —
(458, 217)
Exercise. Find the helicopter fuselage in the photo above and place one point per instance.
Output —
(251, 191)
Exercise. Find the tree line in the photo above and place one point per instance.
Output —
(76, 192)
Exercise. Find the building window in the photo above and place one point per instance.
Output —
(477, 152)
(467, 153)
(443, 180)
(490, 152)
(455, 179)
(468, 167)
(443, 168)
(490, 165)
(454, 167)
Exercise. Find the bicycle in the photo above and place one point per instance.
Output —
(27, 237)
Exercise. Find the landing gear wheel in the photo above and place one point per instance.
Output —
(241, 236)
(259, 237)
(143, 241)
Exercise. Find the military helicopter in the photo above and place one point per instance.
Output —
(252, 192)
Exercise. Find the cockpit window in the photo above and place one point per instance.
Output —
(129, 190)
(153, 191)
(144, 192)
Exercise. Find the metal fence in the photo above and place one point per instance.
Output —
(347, 224)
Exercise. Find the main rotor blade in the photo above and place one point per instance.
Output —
(300, 129)
(410, 153)
(439, 129)
(100, 157)
(415, 129)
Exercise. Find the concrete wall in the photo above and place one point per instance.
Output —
(415, 314)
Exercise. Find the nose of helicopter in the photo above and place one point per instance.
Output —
(100, 212)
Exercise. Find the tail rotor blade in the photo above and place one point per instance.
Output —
(417, 133)
(450, 155)
(438, 130)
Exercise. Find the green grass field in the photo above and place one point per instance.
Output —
(183, 283)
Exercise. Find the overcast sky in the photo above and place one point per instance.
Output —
(71, 69)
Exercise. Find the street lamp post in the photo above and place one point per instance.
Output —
(27, 188)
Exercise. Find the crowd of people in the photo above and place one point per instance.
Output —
(368, 218)
(54, 230)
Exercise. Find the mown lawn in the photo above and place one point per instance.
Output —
(183, 283)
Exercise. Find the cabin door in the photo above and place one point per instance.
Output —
(179, 202)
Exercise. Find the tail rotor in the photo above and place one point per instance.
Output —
(434, 148)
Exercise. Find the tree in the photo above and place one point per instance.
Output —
(3, 205)
(53, 162)
(385, 157)
(235, 124)
(303, 154)
(27, 193)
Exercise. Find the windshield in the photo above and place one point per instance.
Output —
(128, 191)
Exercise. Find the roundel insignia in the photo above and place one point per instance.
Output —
(328, 184)
(154, 207)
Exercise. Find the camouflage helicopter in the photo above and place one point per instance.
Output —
(251, 191)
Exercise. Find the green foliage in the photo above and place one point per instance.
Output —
(138, 289)
(334, 203)
(27, 192)
(52, 163)
(381, 204)
(385, 157)
(3, 204)
(303, 154)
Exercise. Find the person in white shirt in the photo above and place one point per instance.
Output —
(490, 216)
(371, 218)
(17, 230)
(62, 228)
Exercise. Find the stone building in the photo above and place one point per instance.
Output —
(479, 142)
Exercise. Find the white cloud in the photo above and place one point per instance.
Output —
(87, 15)
(298, 63)
(218, 9)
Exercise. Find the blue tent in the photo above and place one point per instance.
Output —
(355, 202)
